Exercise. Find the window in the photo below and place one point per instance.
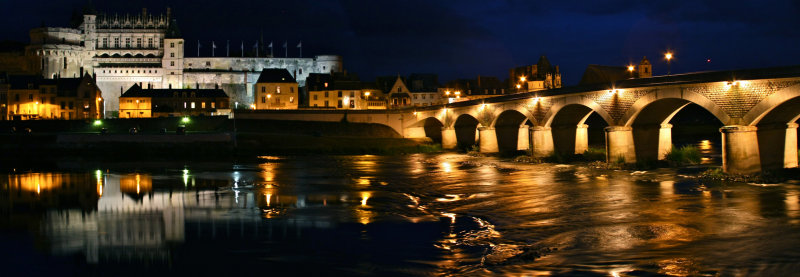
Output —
(291, 99)
(315, 97)
(138, 42)
(278, 90)
(212, 105)
(171, 45)
(116, 42)
(208, 63)
(127, 42)
(203, 105)
(352, 104)
(323, 67)
(263, 99)
(65, 62)
(171, 55)
(172, 63)
(149, 42)
(352, 94)
(30, 96)
(423, 96)
(105, 42)
(415, 97)
(340, 95)
(291, 89)
(301, 71)
(16, 97)
(184, 105)
(339, 104)
(326, 95)
(326, 103)
(71, 105)
(398, 89)
(263, 89)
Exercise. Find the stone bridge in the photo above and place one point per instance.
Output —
(758, 109)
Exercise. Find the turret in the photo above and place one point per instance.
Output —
(173, 57)
(645, 69)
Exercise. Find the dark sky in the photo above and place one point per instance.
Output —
(458, 39)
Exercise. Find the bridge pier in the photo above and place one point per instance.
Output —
(781, 141)
(487, 139)
(523, 138)
(652, 142)
(541, 141)
(581, 138)
(619, 143)
(449, 140)
(414, 132)
(740, 153)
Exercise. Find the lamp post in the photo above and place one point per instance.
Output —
(668, 56)
(269, 99)
(630, 70)
(521, 82)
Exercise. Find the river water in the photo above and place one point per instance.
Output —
(423, 214)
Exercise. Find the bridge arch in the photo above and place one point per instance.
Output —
(566, 122)
(511, 127)
(775, 119)
(650, 118)
(432, 127)
(466, 126)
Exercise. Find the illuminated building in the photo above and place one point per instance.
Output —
(143, 103)
(342, 91)
(33, 97)
(276, 88)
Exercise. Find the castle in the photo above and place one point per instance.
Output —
(148, 50)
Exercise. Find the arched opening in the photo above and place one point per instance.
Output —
(433, 129)
(115, 55)
(139, 56)
(127, 55)
(466, 127)
(150, 56)
(574, 128)
(104, 55)
(777, 136)
(679, 122)
(507, 127)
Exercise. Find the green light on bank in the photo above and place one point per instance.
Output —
(97, 122)
(185, 120)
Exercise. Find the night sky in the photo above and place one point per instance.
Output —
(463, 39)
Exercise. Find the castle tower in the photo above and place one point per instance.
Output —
(645, 69)
(173, 57)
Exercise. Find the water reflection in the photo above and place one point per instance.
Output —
(412, 215)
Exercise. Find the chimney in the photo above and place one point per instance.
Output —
(81, 71)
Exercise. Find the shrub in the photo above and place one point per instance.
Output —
(684, 155)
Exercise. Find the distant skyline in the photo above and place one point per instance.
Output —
(463, 39)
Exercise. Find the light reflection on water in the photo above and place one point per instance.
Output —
(407, 215)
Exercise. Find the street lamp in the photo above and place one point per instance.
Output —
(630, 70)
(269, 103)
(668, 56)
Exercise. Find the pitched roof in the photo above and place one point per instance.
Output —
(418, 82)
(172, 30)
(137, 91)
(275, 75)
(602, 74)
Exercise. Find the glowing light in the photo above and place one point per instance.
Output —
(364, 197)
(705, 144)
(185, 177)
(452, 217)
(269, 198)
(415, 113)
(522, 79)
(630, 68)
(447, 92)
(38, 188)
(447, 167)
(99, 99)
(253, 106)
(458, 92)
(668, 56)
(185, 119)
(138, 187)
(97, 122)
(269, 96)
(535, 100)
(519, 86)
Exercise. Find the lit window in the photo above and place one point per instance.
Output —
(213, 105)
(203, 105)
(278, 89)
(192, 105)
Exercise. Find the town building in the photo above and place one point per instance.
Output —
(416, 90)
(24, 97)
(539, 76)
(148, 49)
(342, 91)
(471, 89)
(604, 74)
(138, 102)
(276, 89)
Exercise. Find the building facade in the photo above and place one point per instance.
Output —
(148, 50)
(540, 76)
(137, 102)
(342, 91)
(33, 97)
(276, 89)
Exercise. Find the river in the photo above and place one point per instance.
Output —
(423, 214)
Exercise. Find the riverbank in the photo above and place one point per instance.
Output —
(205, 138)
